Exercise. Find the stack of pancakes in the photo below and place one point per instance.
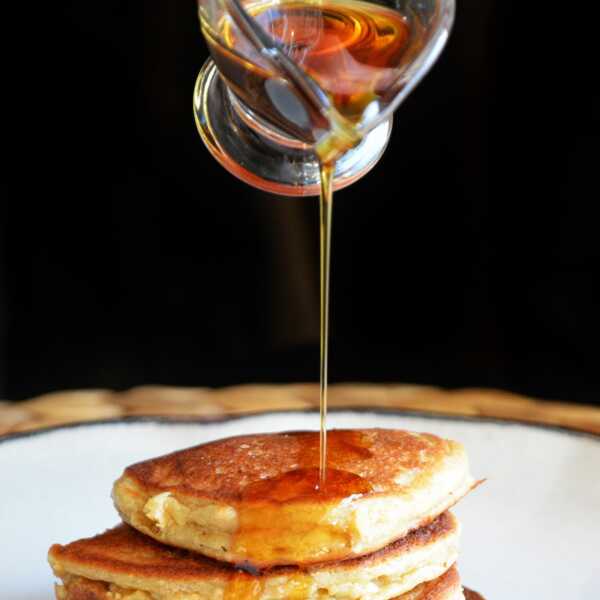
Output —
(249, 517)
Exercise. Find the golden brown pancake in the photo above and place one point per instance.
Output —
(258, 498)
(445, 587)
(123, 561)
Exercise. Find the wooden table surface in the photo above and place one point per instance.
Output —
(87, 405)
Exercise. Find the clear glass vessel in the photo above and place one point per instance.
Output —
(292, 83)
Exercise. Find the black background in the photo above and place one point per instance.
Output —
(469, 256)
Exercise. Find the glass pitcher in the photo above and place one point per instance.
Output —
(291, 83)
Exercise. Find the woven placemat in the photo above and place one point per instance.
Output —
(64, 407)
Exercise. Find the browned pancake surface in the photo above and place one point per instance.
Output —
(439, 589)
(124, 550)
(221, 470)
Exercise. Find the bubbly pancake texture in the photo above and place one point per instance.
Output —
(257, 499)
(123, 564)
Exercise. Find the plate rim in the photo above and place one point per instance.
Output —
(212, 419)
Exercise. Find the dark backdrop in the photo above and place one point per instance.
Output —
(469, 256)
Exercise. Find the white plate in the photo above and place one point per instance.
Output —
(531, 532)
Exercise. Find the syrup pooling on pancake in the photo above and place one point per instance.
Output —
(246, 586)
(303, 481)
(264, 500)
(241, 586)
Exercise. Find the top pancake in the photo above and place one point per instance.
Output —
(257, 499)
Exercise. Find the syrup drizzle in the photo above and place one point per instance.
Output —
(281, 515)
(305, 481)
(369, 43)
(326, 206)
